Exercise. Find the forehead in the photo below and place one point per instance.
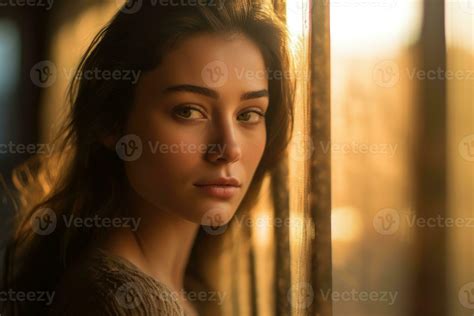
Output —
(215, 61)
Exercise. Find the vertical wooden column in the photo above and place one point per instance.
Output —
(320, 169)
(430, 167)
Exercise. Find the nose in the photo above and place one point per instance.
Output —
(225, 148)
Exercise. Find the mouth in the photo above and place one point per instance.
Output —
(223, 188)
(219, 191)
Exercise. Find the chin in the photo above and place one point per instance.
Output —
(215, 215)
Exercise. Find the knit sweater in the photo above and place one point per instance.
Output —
(110, 285)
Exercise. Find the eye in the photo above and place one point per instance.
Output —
(252, 116)
(188, 112)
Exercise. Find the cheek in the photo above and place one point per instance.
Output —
(167, 147)
(252, 152)
(169, 156)
(165, 178)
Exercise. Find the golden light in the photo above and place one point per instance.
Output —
(298, 19)
(373, 26)
(297, 15)
(346, 224)
(263, 228)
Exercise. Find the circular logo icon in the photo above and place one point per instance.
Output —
(301, 295)
(43, 74)
(129, 147)
(215, 74)
(213, 222)
(466, 295)
(301, 147)
(386, 74)
(130, 6)
(466, 148)
(128, 295)
(387, 221)
(43, 221)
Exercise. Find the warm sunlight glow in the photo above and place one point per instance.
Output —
(373, 26)
(263, 228)
(460, 23)
(346, 224)
(298, 27)
(297, 14)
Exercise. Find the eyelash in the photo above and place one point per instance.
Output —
(187, 107)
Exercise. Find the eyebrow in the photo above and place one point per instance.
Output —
(212, 93)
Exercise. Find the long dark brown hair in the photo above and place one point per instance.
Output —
(84, 178)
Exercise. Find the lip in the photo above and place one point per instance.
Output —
(219, 191)
(231, 181)
(223, 188)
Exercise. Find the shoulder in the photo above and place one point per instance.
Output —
(108, 285)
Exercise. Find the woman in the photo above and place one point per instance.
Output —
(142, 166)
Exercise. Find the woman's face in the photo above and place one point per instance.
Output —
(199, 119)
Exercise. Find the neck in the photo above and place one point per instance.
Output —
(165, 242)
(161, 245)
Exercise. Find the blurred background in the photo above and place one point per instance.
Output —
(396, 104)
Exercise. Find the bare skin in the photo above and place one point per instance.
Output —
(224, 115)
